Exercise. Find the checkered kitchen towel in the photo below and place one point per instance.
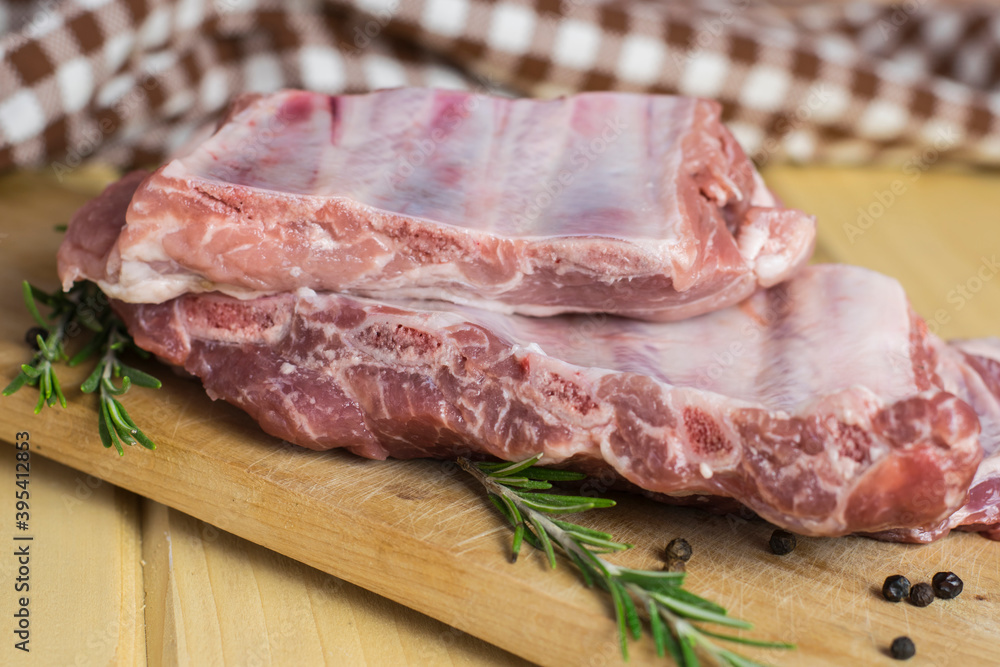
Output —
(127, 81)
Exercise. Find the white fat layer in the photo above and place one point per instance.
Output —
(854, 324)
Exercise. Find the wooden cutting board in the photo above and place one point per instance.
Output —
(420, 532)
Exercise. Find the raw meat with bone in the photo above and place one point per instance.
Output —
(975, 377)
(634, 204)
(823, 404)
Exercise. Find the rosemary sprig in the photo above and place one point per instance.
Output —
(84, 307)
(670, 611)
(114, 423)
(50, 336)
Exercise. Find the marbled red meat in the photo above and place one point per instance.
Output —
(819, 452)
(973, 373)
(642, 205)
(822, 403)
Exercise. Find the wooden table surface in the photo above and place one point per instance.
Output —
(119, 579)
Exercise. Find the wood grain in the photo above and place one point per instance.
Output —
(213, 598)
(419, 533)
(85, 580)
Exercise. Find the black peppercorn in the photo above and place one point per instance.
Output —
(921, 595)
(946, 585)
(902, 648)
(782, 542)
(895, 588)
(32, 334)
(678, 549)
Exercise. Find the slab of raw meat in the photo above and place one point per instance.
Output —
(814, 417)
(603, 202)
(823, 404)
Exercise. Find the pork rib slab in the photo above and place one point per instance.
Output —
(823, 404)
(383, 380)
(641, 205)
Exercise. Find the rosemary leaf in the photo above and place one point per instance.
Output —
(136, 432)
(110, 429)
(657, 580)
(617, 597)
(515, 514)
(746, 640)
(692, 599)
(514, 468)
(589, 532)
(698, 613)
(631, 613)
(736, 660)
(557, 509)
(568, 500)
(15, 384)
(90, 385)
(515, 547)
(30, 372)
(688, 657)
(553, 475)
(656, 628)
(29, 301)
(57, 388)
(139, 378)
(108, 386)
(525, 483)
(102, 430)
(543, 537)
(495, 499)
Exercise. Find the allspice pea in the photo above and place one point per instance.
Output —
(902, 648)
(946, 585)
(782, 542)
(921, 595)
(678, 549)
(895, 588)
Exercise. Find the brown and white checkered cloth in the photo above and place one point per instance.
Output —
(127, 81)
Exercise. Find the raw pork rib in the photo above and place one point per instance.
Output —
(603, 202)
(819, 421)
(823, 403)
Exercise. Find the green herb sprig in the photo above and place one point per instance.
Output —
(84, 308)
(49, 338)
(670, 612)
